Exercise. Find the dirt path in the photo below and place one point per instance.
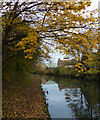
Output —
(21, 102)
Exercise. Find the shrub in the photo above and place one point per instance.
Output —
(57, 70)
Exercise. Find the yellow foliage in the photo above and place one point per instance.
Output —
(79, 63)
(64, 23)
(84, 61)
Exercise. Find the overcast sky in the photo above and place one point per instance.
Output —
(56, 55)
(94, 4)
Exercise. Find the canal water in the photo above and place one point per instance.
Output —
(71, 98)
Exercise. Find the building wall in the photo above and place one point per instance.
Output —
(62, 63)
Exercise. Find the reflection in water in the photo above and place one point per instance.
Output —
(70, 98)
(56, 102)
(77, 102)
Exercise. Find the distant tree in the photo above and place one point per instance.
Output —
(95, 62)
(98, 59)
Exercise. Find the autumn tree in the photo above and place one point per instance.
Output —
(66, 26)
(95, 62)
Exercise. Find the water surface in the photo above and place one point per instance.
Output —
(71, 98)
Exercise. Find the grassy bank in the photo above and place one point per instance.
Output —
(68, 72)
(43, 96)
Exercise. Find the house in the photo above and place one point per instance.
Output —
(66, 63)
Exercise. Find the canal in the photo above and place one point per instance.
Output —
(71, 98)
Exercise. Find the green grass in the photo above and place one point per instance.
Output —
(43, 96)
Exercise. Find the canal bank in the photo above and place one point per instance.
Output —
(66, 72)
(61, 97)
(24, 100)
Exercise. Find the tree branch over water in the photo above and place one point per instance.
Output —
(66, 22)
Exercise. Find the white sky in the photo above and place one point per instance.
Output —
(94, 4)
(56, 55)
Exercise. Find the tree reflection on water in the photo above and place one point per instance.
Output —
(81, 96)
